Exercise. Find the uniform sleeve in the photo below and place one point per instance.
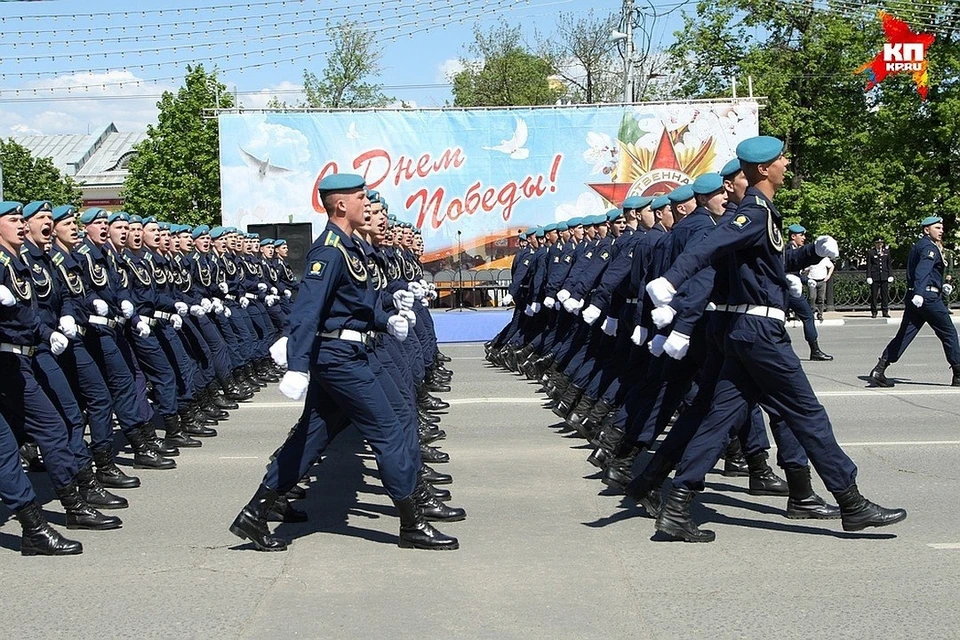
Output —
(745, 230)
(324, 268)
(923, 273)
(798, 259)
(617, 271)
(592, 273)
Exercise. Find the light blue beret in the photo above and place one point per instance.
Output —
(796, 228)
(613, 214)
(681, 194)
(550, 227)
(929, 220)
(37, 205)
(563, 226)
(760, 149)
(279, 241)
(118, 216)
(64, 211)
(266, 241)
(216, 232)
(164, 226)
(575, 222)
(149, 219)
(540, 232)
(636, 202)
(660, 202)
(340, 182)
(199, 231)
(8, 207)
(135, 219)
(707, 183)
(91, 214)
(730, 168)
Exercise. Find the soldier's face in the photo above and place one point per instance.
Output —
(666, 217)
(736, 187)
(203, 243)
(618, 226)
(118, 233)
(185, 242)
(165, 240)
(65, 231)
(283, 250)
(151, 235)
(776, 171)
(552, 237)
(267, 251)
(578, 233)
(565, 236)
(935, 231)
(98, 231)
(357, 206)
(798, 239)
(647, 219)
(135, 237)
(40, 228)
(12, 231)
(715, 202)
(220, 244)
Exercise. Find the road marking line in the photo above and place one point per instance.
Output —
(239, 457)
(944, 545)
(898, 443)
(853, 393)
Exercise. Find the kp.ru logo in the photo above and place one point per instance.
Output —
(904, 51)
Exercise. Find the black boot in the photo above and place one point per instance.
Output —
(283, 511)
(192, 422)
(93, 492)
(251, 523)
(217, 398)
(734, 464)
(173, 425)
(646, 488)
(252, 375)
(428, 434)
(593, 419)
(433, 476)
(955, 382)
(296, 493)
(878, 375)
(157, 443)
(428, 418)
(233, 391)
(30, 458)
(109, 474)
(432, 454)
(578, 414)
(39, 538)
(803, 502)
(675, 521)
(144, 455)
(607, 442)
(416, 532)
(618, 473)
(763, 481)
(859, 513)
(428, 402)
(437, 492)
(817, 354)
(568, 401)
(265, 370)
(80, 515)
(433, 509)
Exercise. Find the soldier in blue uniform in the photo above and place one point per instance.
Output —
(924, 304)
(328, 351)
(800, 305)
(760, 363)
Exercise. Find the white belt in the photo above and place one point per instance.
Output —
(933, 289)
(632, 300)
(150, 321)
(252, 296)
(230, 297)
(106, 322)
(754, 310)
(162, 315)
(711, 306)
(18, 349)
(365, 337)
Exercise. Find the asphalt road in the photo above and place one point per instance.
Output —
(545, 552)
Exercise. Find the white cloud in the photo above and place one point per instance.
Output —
(288, 92)
(284, 146)
(448, 68)
(587, 203)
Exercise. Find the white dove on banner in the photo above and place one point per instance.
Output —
(263, 167)
(352, 131)
(514, 146)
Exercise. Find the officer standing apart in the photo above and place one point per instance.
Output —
(924, 304)
(879, 277)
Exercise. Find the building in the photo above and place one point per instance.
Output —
(97, 161)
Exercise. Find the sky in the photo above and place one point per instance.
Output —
(73, 68)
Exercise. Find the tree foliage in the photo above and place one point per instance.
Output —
(26, 178)
(175, 174)
(863, 164)
(344, 83)
(583, 55)
(502, 72)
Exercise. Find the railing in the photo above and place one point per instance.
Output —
(846, 290)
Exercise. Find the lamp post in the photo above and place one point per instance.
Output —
(627, 38)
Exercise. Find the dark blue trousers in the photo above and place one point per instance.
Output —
(216, 343)
(157, 368)
(801, 307)
(91, 391)
(15, 490)
(28, 410)
(145, 410)
(934, 313)
(184, 369)
(344, 389)
(54, 383)
(761, 366)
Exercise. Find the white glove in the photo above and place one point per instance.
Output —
(890, 279)
(176, 321)
(662, 316)
(795, 285)
(223, 287)
(549, 302)
(278, 351)
(398, 327)
(181, 307)
(661, 292)
(273, 291)
(656, 345)
(572, 305)
(410, 316)
(947, 289)
(287, 294)
(591, 313)
(226, 312)
(812, 284)
(6, 296)
(143, 329)
(270, 300)
(403, 300)
(294, 384)
(98, 305)
(826, 247)
(261, 286)
(197, 311)
(869, 280)
(562, 296)
(430, 285)
(68, 326)
(432, 294)
(417, 289)
(217, 305)
(58, 343)
(677, 345)
(536, 306)
(424, 284)
(528, 311)
(244, 302)
(206, 304)
(917, 301)
(126, 307)
(506, 301)
(609, 326)
(426, 302)
(639, 335)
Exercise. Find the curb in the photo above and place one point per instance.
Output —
(839, 322)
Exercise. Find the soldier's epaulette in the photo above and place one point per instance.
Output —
(762, 202)
(331, 239)
(57, 258)
(5, 259)
(84, 250)
(23, 250)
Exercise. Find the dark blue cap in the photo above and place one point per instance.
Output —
(37, 205)
(681, 194)
(64, 211)
(340, 182)
(760, 149)
(707, 183)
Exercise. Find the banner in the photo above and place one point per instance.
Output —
(472, 179)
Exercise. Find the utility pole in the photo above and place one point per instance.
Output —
(628, 53)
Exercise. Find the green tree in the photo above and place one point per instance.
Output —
(862, 163)
(503, 72)
(175, 174)
(584, 57)
(355, 58)
(26, 178)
